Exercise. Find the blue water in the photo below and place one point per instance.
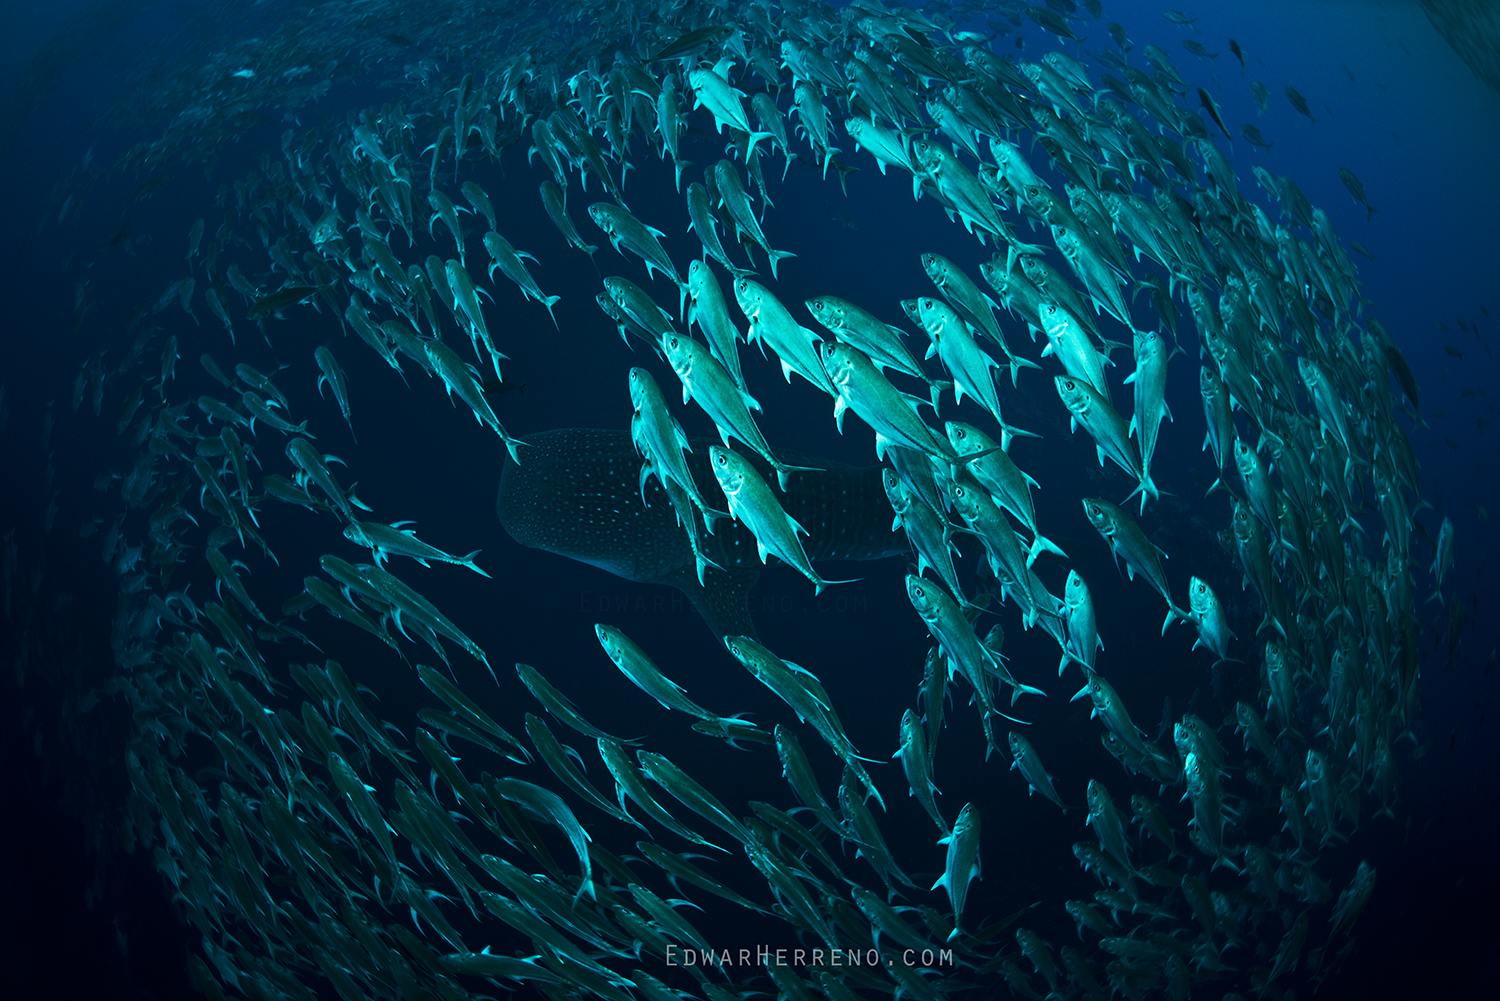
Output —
(1393, 103)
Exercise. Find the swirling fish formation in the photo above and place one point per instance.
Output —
(328, 851)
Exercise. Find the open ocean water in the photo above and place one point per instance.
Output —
(173, 823)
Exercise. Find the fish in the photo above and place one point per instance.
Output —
(283, 298)
(706, 382)
(625, 230)
(578, 495)
(1357, 189)
(556, 206)
(962, 864)
(804, 694)
(662, 442)
(1010, 487)
(1300, 103)
(752, 504)
(954, 344)
(1105, 820)
(1024, 757)
(1205, 99)
(704, 223)
(732, 197)
(508, 260)
(1262, 96)
(1150, 383)
(1084, 640)
(772, 324)
(645, 675)
(709, 311)
(712, 91)
(930, 534)
(916, 762)
(965, 654)
(461, 378)
(1234, 47)
(858, 385)
(334, 376)
(1108, 429)
(385, 541)
(1126, 539)
(1442, 560)
(1252, 135)
(883, 343)
(1205, 612)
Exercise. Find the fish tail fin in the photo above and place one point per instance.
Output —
(711, 517)
(1174, 614)
(1019, 690)
(820, 585)
(468, 561)
(777, 255)
(1008, 434)
(756, 137)
(783, 470)
(935, 389)
(1017, 363)
(1043, 544)
(549, 302)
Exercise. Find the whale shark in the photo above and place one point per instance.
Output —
(577, 492)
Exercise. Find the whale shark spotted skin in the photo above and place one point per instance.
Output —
(576, 492)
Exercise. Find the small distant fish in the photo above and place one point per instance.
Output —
(1234, 47)
(1357, 189)
(1206, 99)
(1178, 17)
(1358, 248)
(1117, 32)
(1252, 135)
(123, 233)
(840, 218)
(490, 384)
(1299, 102)
(1330, 111)
(272, 304)
(1197, 49)
(1350, 74)
(1455, 352)
(1261, 95)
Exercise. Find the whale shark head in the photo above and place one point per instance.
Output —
(577, 493)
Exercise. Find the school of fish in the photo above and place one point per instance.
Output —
(322, 850)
